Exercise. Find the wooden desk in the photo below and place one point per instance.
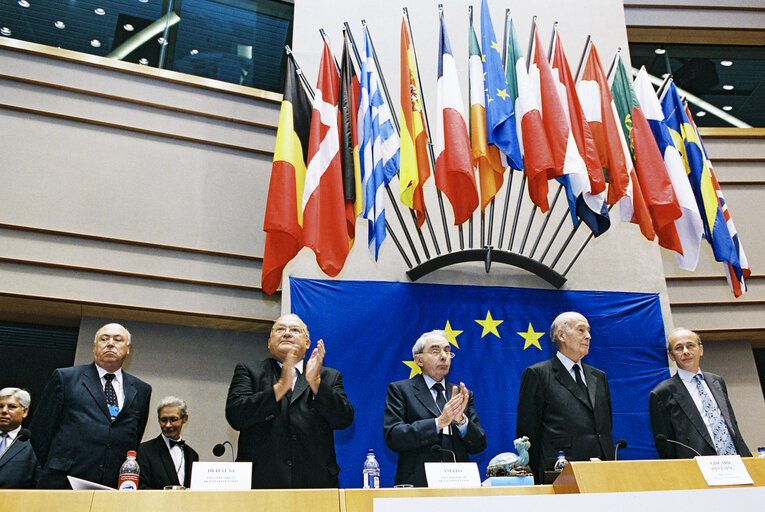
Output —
(360, 500)
(45, 501)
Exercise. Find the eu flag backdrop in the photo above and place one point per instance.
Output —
(369, 328)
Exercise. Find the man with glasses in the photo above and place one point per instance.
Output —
(89, 416)
(286, 411)
(167, 459)
(564, 404)
(428, 419)
(692, 407)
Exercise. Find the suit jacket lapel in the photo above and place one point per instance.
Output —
(128, 386)
(188, 463)
(167, 461)
(592, 383)
(11, 452)
(92, 383)
(300, 386)
(568, 382)
(423, 394)
(686, 402)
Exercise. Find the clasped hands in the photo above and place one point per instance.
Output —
(454, 408)
(312, 370)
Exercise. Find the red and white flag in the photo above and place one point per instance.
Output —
(324, 228)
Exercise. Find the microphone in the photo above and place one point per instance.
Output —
(664, 439)
(620, 444)
(437, 451)
(24, 434)
(220, 448)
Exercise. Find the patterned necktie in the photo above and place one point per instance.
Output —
(3, 442)
(440, 398)
(580, 382)
(722, 439)
(111, 395)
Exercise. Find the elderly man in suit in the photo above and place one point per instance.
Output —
(18, 464)
(428, 411)
(287, 409)
(89, 416)
(564, 404)
(167, 459)
(692, 407)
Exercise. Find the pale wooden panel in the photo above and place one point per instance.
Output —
(58, 250)
(45, 501)
(711, 290)
(732, 171)
(700, 17)
(324, 500)
(641, 475)
(738, 315)
(361, 500)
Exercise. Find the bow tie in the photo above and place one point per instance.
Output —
(180, 443)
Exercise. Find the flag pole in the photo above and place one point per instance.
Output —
(611, 69)
(585, 52)
(579, 252)
(299, 71)
(566, 215)
(470, 134)
(391, 197)
(427, 130)
(384, 86)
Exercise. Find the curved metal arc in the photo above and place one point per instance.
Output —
(488, 255)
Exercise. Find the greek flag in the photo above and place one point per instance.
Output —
(378, 149)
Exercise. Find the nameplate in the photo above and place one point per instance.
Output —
(444, 475)
(221, 476)
(724, 470)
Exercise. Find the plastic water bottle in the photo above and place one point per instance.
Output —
(129, 473)
(561, 462)
(761, 455)
(371, 471)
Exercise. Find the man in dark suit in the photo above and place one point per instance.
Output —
(428, 411)
(18, 464)
(167, 459)
(693, 407)
(563, 404)
(287, 409)
(89, 416)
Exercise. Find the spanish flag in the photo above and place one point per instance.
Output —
(284, 219)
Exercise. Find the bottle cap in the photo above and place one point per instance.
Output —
(561, 453)
(131, 453)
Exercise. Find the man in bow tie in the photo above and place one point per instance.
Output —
(167, 459)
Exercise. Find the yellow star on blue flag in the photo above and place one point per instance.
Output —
(414, 367)
(451, 334)
(489, 325)
(531, 337)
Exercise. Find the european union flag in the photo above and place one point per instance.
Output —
(500, 112)
(369, 329)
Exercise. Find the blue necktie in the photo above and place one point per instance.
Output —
(3, 442)
(720, 435)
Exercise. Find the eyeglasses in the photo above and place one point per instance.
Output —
(117, 339)
(293, 330)
(679, 349)
(436, 352)
(170, 419)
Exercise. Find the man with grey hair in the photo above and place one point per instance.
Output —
(426, 418)
(167, 459)
(692, 407)
(89, 416)
(286, 410)
(18, 464)
(564, 404)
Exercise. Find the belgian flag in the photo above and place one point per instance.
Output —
(283, 222)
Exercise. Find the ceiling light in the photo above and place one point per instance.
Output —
(23, 3)
(60, 24)
(5, 31)
(665, 75)
(727, 108)
(128, 27)
(143, 61)
(95, 43)
(100, 11)
(162, 41)
(660, 51)
(143, 1)
(194, 51)
(726, 63)
(728, 87)
(700, 113)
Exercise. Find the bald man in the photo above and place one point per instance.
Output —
(89, 416)
(564, 404)
(286, 410)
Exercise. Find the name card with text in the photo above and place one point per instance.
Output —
(724, 470)
(444, 475)
(221, 476)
